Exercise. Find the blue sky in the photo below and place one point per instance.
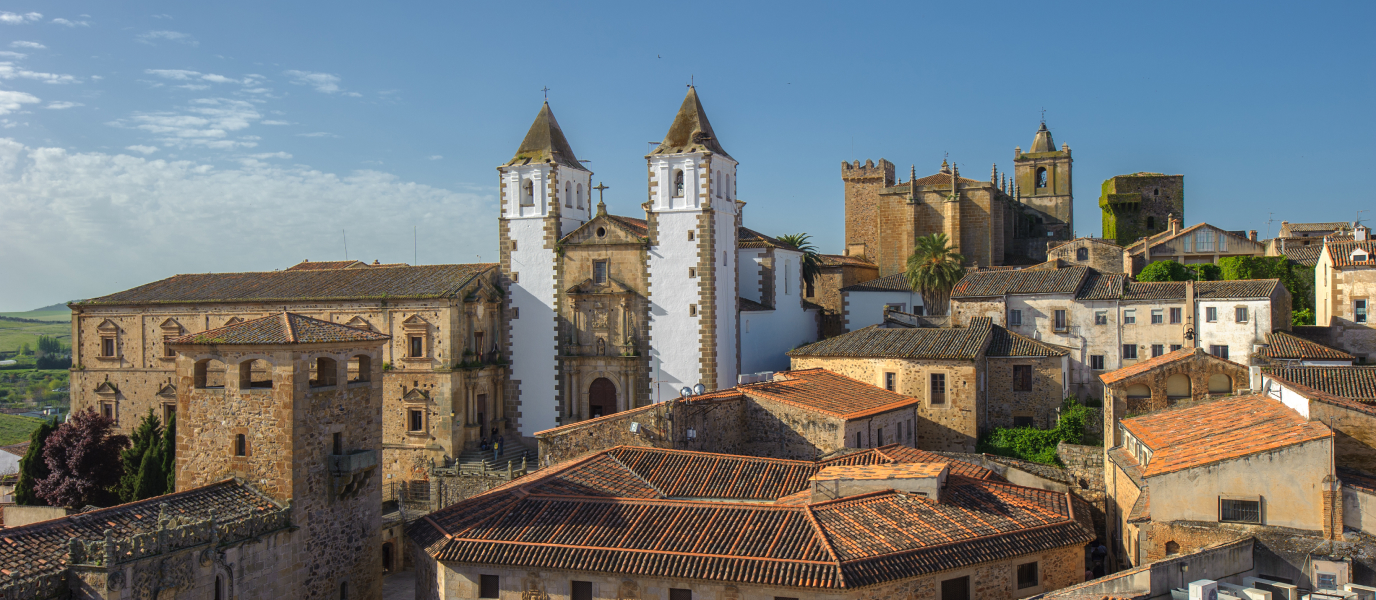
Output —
(143, 139)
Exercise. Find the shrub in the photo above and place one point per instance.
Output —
(1039, 445)
(1165, 270)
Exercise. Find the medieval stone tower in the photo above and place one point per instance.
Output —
(693, 218)
(1043, 176)
(1141, 204)
(292, 406)
(863, 184)
(545, 194)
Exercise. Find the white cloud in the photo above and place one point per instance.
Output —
(178, 74)
(193, 86)
(127, 220)
(213, 78)
(12, 101)
(436, 157)
(10, 18)
(9, 71)
(61, 21)
(59, 105)
(275, 122)
(142, 149)
(14, 55)
(317, 134)
(21, 44)
(271, 155)
(170, 36)
(207, 122)
(322, 82)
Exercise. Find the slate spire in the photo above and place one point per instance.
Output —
(691, 131)
(1043, 141)
(545, 142)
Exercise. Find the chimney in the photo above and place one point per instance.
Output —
(1172, 224)
(1252, 234)
(1361, 233)
(919, 479)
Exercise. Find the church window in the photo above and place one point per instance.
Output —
(568, 195)
(716, 183)
(1083, 253)
(527, 192)
(578, 195)
(1156, 192)
(1151, 222)
(678, 184)
(788, 271)
(1041, 177)
(219, 588)
(344, 591)
(723, 258)
(488, 586)
(599, 272)
(726, 182)
(240, 445)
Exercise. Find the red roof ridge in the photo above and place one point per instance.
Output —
(826, 544)
(655, 551)
(763, 459)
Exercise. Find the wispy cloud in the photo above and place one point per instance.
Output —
(322, 82)
(282, 155)
(9, 71)
(317, 134)
(33, 45)
(61, 21)
(207, 123)
(142, 149)
(11, 101)
(275, 122)
(13, 55)
(436, 157)
(153, 37)
(10, 18)
(169, 206)
(62, 104)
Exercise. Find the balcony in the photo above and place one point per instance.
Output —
(350, 473)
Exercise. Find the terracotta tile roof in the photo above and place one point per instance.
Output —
(1092, 240)
(17, 449)
(321, 265)
(748, 305)
(1203, 290)
(1340, 253)
(941, 179)
(1283, 345)
(1003, 342)
(281, 328)
(1220, 430)
(1128, 463)
(896, 453)
(749, 238)
(897, 282)
(42, 548)
(431, 281)
(637, 226)
(823, 391)
(958, 343)
(1289, 228)
(701, 475)
(885, 471)
(1358, 383)
(1113, 377)
(838, 260)
(1305, 255)
(1157, 290)
(850, 543)
(1024, 281)
(1357, 479)
(1102, 286)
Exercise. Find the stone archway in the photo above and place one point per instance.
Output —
(601, 398)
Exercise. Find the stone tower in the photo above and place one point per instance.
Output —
(292, 406)
(693, 218)
(1141, 204)
(545, 194)
(1043, 176)
(863, 184)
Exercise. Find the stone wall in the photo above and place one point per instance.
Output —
(1122, 495)
(1085, 466)
(862, 187)
(1105, 257)
(1197, 368)
(1041, 403)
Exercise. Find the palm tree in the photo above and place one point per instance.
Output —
(812, 263)
(933, 269)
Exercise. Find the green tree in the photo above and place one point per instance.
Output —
(1303, 316)
(812, 263)
(32, 467)
(1297, 279)
(49, 345)
(1165, 270)
(933, 270)
(169, 454)
(146, 444)
(1207, 272)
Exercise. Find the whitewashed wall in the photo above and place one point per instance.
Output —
(750, 272)
(767, 335)
(863, 309)
(533, 335)
(674, 334)
(1238, 337)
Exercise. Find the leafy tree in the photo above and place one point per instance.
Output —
(49, 345)
(1297, 279)
(933, 270)
(812, 263)
(83, 462)
(1165, 270)
(1303, 316)
(145, 447)
(32, 467)
(1039, 445)
(169, 454)
(1207, 272)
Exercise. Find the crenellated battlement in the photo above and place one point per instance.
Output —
(855, 171)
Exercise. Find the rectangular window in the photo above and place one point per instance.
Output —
(899, 307)
(1027, 575)
(1129, 317)
(1240, 314)
(1158, 316)
(692, 310)
(1211, 314)
(858, 443)
(1019, 422)
(879, 436)
(489, 586)
(415, 419)
(513, 245)
(956, 589)
(1358, 306)
(690, 236)
(917, 310)
(1022, 378)
(337, 447)
(107, 347)
(891, 382)
(1204, 241)
(910, 430)
(1327, 581)
(1189, 242)
(599, 272)
(168, 412)
(516, 312)
(692, 271)
(1060, 320)
(680, 594)
(515, 277)
(938, 388)
(417, 346)
(1129, 351)
(1175, 316)
(1175, 347)
(1219, 351)
(166, 351)
(1015, 317)
(1239, 511)
(581, 590)
(107, 410)
(1101, 317)
(1157, 350)
(1096, 362)
(899, 438)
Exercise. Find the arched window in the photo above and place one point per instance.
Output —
(1041, 177)
(527, 192)
(1138, 390)
(1178, 386)
(1220, 384)
(240, 445)
(716, 183)
(568, 193)
(678, 184)
(1172, 548)
(360, 368)
(1082, 254)
(788, 277)
(325, 373)
(210, 374)
(219, 588)
(578, 196)
(723, 258)
(1156, 192)
(344, 591)
(726, 182)
(255, 374)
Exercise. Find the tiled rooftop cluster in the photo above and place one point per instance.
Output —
(1088, 284)
(825, 391)
(1282, 345)
(980, 338)
(700, 516)
(1357, 383)
(1219, 430)
(281, 328)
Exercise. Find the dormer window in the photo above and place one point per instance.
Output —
(678, 184)
(1359, 256)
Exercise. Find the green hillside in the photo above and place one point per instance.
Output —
(16, 429)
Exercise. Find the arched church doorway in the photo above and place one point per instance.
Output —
(601, 398)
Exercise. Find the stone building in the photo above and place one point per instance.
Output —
(278, 441)
(1344, 285)
(444, 377)
(1189, 477)
(967, 380)
(1198, 244)
(989, 222)
(654, 524)
(1140, 205)
(1302, 242)
(1286, 350)
(1344, 398)
(838, 272)
(1183, 376)
(1101, 255)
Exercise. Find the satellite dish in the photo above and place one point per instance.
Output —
(699, 389)
(685, 392)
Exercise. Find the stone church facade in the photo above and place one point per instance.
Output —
(1003, 221)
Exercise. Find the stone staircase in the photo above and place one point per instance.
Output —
(513, 451)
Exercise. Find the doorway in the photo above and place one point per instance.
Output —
(387, 559)
(601, 398)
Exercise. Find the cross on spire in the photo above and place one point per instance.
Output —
(546, 91)
(599, 189)
(1043, 115)
(690, 80)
